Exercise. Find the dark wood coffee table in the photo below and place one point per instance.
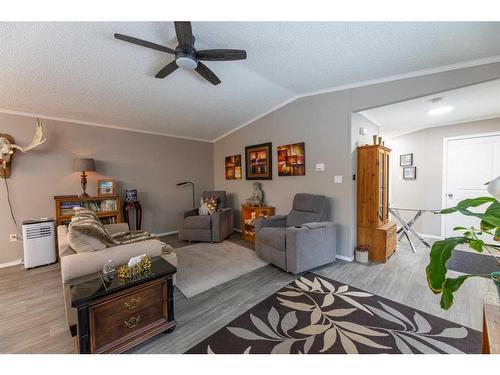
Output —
(114, 316)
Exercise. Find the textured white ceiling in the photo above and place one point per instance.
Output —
(78, 71)
(469, 103)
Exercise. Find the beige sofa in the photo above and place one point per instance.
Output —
(75, 265)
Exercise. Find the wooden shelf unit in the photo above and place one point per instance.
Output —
(62, 206)
(249, 214)
(375, 231)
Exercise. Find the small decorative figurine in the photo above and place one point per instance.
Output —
(257, 195)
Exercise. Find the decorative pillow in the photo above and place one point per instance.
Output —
(211, 203)
(86, 232)
(82, 243)
(203, 210)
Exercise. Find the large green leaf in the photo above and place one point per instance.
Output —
(497, 234)
(439, 255)
(476, 245)
(451, 285)
(489, 219)
(492, 215)
(466, 203)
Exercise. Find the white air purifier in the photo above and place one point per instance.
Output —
(39, 242)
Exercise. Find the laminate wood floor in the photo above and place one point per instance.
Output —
(32, 318)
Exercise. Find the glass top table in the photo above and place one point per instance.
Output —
(91, 287)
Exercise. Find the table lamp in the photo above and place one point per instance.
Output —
(83, 165)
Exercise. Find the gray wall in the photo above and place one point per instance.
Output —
(150, 163)
(323, 122)
(427, 148)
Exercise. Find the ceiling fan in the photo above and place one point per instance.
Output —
(186, 56)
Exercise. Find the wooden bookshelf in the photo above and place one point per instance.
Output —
(107, 209)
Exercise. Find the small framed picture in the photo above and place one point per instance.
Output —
(131, 195)
(106, 187)
(406, 160)
(410, 173)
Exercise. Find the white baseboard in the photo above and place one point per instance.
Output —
(431, 236)
(166, 233)
(10, 264)
(347, 259)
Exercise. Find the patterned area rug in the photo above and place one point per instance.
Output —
(318, 315)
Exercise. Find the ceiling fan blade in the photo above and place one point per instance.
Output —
(206, 73)
(221, 54)
(167, 69)
(184, 34)
(144, 43)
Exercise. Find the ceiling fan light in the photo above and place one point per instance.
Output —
(186, 63)
(440, 110)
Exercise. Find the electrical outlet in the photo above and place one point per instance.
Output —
(320, 167)
(13, 237)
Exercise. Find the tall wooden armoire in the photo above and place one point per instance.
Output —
(375, 231)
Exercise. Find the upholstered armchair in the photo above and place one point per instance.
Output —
(209, 228)
(299, 241)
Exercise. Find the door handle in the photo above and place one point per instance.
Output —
(450, 195)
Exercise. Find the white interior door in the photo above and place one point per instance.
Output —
(470, 163)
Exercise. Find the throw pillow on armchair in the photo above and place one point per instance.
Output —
(203, 209)
(211, 203)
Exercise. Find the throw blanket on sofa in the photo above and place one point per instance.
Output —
(86, 222)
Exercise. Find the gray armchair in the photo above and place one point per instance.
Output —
(299, 241)
(210, 228)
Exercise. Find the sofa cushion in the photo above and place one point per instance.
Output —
(82, 264)
(197, 222)
(274, 237)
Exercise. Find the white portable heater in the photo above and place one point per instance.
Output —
(39, 242)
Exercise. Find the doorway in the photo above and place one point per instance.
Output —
(469, 163)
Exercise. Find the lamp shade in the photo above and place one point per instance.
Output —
(83, 164)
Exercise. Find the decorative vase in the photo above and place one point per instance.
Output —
(375, 139)
(109, 269)
(379, 140)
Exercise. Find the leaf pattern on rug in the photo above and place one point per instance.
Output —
(317, 315)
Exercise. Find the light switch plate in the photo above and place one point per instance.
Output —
(320, 167)
(338, 179)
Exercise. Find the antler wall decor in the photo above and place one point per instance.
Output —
(8, 148)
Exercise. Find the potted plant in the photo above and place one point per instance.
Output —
(442, 250)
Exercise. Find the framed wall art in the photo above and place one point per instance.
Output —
(106, 187)
(292, 160)
(258, 162)
(410, 173)
(233, 167)
(406, 160)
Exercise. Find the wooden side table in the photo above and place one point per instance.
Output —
(138, 213)
(250, 213)
(114, 316)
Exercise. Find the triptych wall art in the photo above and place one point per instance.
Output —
(233, 167)
(259, 162)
